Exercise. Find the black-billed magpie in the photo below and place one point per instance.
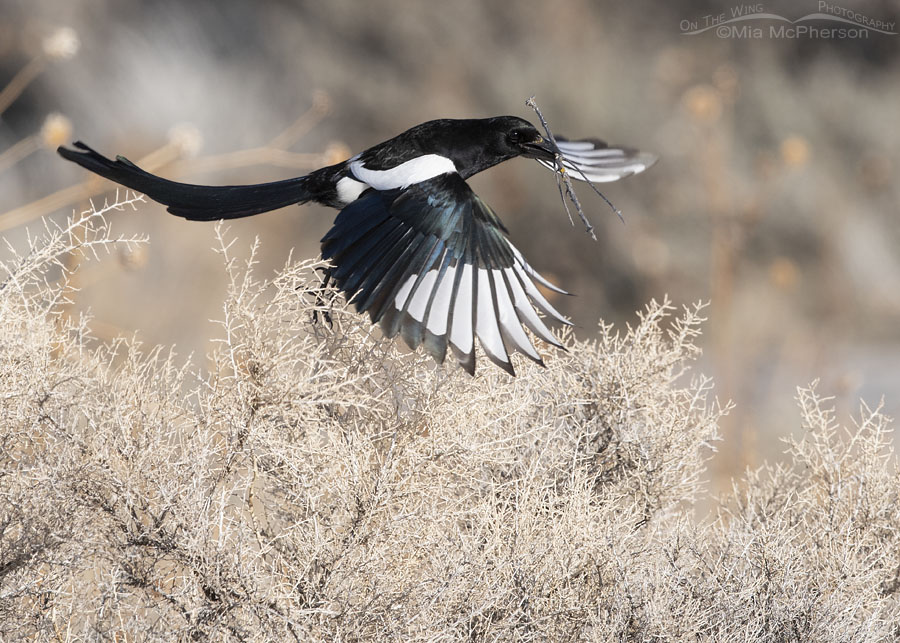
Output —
(413, 245)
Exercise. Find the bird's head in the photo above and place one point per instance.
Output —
(477, 144)
(518, 137)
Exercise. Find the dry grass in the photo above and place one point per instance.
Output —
(315, 483)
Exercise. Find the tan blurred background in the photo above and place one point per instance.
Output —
(775, 197)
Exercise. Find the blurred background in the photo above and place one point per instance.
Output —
(775, 198)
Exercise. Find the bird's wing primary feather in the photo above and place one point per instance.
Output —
(598, 161)
(432, 263)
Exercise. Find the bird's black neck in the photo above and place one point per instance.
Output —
(466, 142)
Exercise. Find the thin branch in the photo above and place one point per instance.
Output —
(562, 172)
(21, 80)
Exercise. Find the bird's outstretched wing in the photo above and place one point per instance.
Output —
(431, 262)
(598, 161)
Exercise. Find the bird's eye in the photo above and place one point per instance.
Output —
(514, 137)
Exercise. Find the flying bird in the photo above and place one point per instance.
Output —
(413, 246)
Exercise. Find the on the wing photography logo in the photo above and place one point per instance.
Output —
(753, 22)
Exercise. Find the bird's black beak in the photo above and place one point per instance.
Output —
(541, 149)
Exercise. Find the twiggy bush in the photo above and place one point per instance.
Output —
(316, 483)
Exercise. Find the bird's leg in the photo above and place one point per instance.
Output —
(320, 299)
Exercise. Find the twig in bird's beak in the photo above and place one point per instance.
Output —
(562, 172)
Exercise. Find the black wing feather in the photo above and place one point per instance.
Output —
(401, 256)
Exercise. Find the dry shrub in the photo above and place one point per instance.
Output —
(314, 482)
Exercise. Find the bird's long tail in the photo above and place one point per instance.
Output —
(195, 202)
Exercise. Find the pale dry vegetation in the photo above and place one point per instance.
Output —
(314, 482)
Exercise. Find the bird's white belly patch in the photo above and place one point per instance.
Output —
(412, 171)
(348, 190)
